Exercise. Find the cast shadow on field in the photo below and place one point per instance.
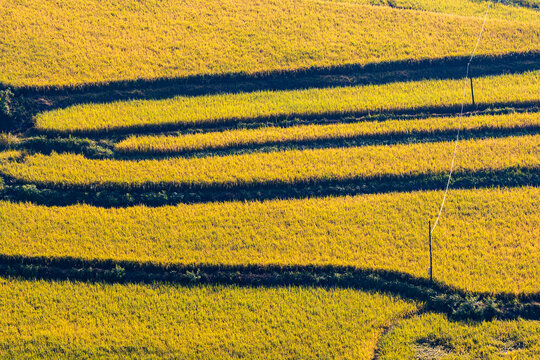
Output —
(292, 119)
(413, 137)
(436, 296)
(50, 98)
(110, 195)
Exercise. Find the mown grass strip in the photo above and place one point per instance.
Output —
(435, 335)
(49, 44)
(486, 243)
(231, 108)
(104, 321)
(287, 167)
(171, 144)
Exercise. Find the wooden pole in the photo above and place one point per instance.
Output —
(472, 92)
(430, 255)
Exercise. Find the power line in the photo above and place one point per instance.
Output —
(461, 117)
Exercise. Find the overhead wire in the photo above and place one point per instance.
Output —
(461, 117)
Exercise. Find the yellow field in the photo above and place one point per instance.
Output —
(305, 133)
(49, 43)
(77, 320)
(263, 104)
(279, 103)
(459, 7)
(278, 167)
(435, 334)
(486, 241)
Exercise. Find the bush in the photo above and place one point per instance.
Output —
(13, 114)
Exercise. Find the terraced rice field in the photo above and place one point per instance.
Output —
(436, 336)
(118, 321)
(371, 231)
(256, 179)
(330, 102)
(49, 45)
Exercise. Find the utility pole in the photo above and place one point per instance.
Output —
(472, 92)
(430, 254)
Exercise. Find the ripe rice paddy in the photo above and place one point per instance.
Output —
(133, 321)
(79, 59)
(49, 44)
(486, 242)
(171, 144)
(207, 110)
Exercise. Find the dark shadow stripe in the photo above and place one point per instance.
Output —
(49, 98)
(412, 137)
(303, 78)
(168, 194)
(289, 120)
(437, 295)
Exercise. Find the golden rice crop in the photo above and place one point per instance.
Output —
(459, 7)
(74, 42)
(434, 333)
(184, 110)
(305, 133)
(100, 321)
(9, 155)
(486, 241)
(278, 167)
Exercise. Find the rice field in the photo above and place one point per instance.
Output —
(171, 144)
(222, 109)
(333, 123)
(285, 167)
(527, 11)
(436, 336)
(487, 242)
(132, 321)
(48, 44)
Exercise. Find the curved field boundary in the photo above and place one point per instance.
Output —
(380, 231)
(339, 102)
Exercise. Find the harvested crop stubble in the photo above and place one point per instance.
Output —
(487, 240)
(294, 166)
(433, 335)
(48, 43)
(215, 109)
(306, 133)
(130, 321)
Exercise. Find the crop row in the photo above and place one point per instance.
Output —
(432, 333)
(485, 242)
(286, 167)
(100, 321)
(313, 133)
(49, 43)
(208, 110)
